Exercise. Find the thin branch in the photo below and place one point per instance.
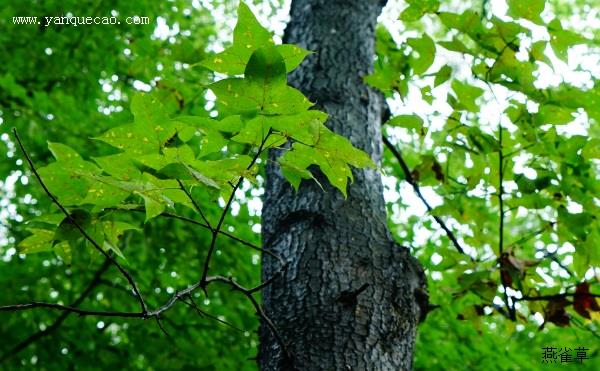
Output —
(160, 326)
(510, 154)
(556, 296)
(123, 271)
(259, 311)
(196, 206)
(555, 259)
(66, 308)
(409, 178)
(531, 235)
(203, 313)
(579, 324)
(177, 296)
(269, 281)
(510, 304)
(501, 191)
(215, 232)
(195, 222)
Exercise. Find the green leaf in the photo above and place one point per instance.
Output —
(119, 166)
(407, 121)
(64, 153)
(561, 40)
(425, 48)
(442, 75)
(238, 96)
(467, 95)
(256, 129)
(418, 8)
(248, 32)
(152, 206)
(467, 22)
(538, 51)
(295, 174)
(52, 219)
(150, 130)
(225, 170)
(94, 229)
(69, 186)
(231, 124)
(292, 55)
(303, 127)
(184, 171)
(455, 45)
(131, 138)
(63, 250)
(248, 35)
(591, 149)
(528, 9)
(553, 114)
(525, 184)
(39, 241)
(575, 223)
(113, 231)
(266, 68)
(587, 253)
(332, 153)
(263, 90)
(103, 195)
(210, 131)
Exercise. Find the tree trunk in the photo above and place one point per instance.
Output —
(350, 297)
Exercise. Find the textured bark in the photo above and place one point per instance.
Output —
(349, 299)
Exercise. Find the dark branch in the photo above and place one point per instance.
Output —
(259, 311)
(66, 308)
(215, 232)
(510, 304)
(556, 296)
(195, 222)
(409, 178)
(196, 206)
(204, 313)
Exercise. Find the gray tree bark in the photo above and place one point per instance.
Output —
(350, 298)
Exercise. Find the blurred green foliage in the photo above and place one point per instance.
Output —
(69, 84)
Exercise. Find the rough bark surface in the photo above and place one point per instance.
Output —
(349, 299)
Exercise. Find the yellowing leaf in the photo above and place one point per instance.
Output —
(39, 241)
